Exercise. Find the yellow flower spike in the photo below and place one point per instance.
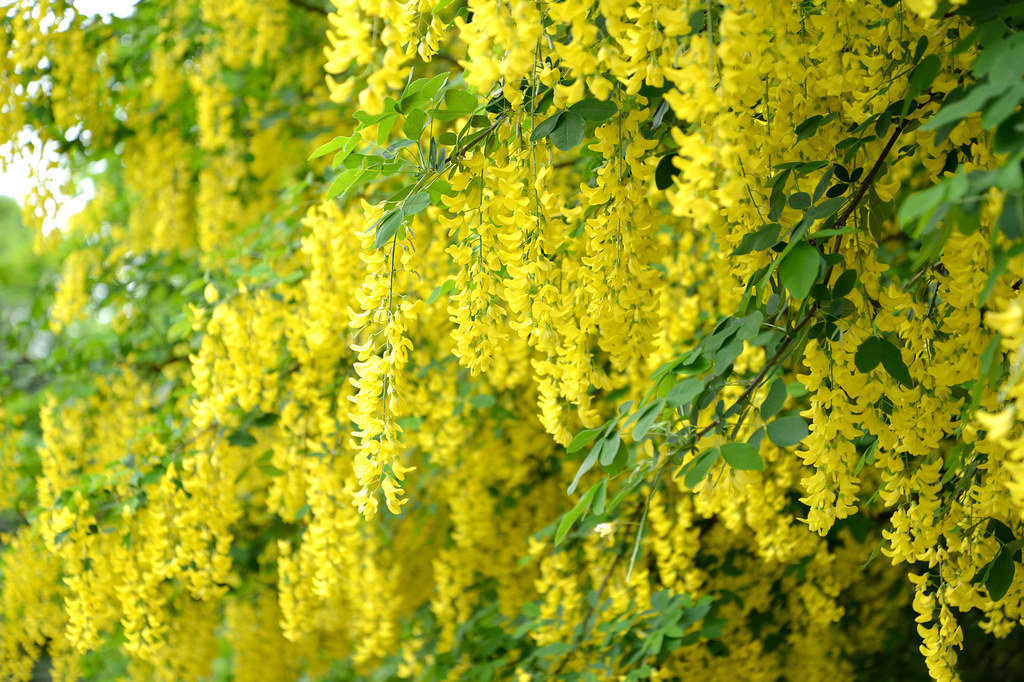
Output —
(400, 470)
(997, 425)
(210, 294)
(1008, 321)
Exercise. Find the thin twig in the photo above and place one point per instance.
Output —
(476, 140)
(585, 625)
(863, 188)
(869, 178)
(763, 373)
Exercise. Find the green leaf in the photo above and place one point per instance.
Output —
(787, 431)
(892, 360)
(582, 439)
(1004, 105)
(825, 208)
(868, 354)
(447, 114)
(366, 120)
(551, 651)
(441, 5)
(922, 45)
(999, 575)
(1000, 530)
(441, 290)
(700, 466)
(876, 350)
(342, 183)
(618, 463)
(764, 238)
(665, 172)
(428, 87)
(841, 307)
(333, 145)
(270, 470)
(823, 183)
(697, 21)
(544, 128)
(413, 103)
(384, 128)
(601, 497)
(438, 189)
(416, 203)
(482, 401)
(925, 72)
(242, 438)
(609, 448)
(1008, 177)
(181, 329)
(684, 392)
(414, 123)
(354, 160)
(569, 131)
(266, 419)
(775, 399)
(1011, 220)
(811, 125)
(586, 465)
(1000, 60)
(749, 326)
(395, 147)
(800, 200)
(595, 109)
(777, 200)
(460, 101)
(844, 284)
(955, 111)
(756, 437)
(742, 456)
(799, 270)
(409, 424)
(648, 416)
(696, 365)
(934, 241)
(388, 227)
(193, 286)
(796, 390)
(920, 205)
(565, 525)
(727, 355)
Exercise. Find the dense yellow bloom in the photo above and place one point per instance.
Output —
(295, 438)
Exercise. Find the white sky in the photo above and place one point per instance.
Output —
(14, 181)
(17, 181)
(120, 8)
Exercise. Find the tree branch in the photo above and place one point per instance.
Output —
(763, 373)
(870, 177)
(457, 156)
(863, 188)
